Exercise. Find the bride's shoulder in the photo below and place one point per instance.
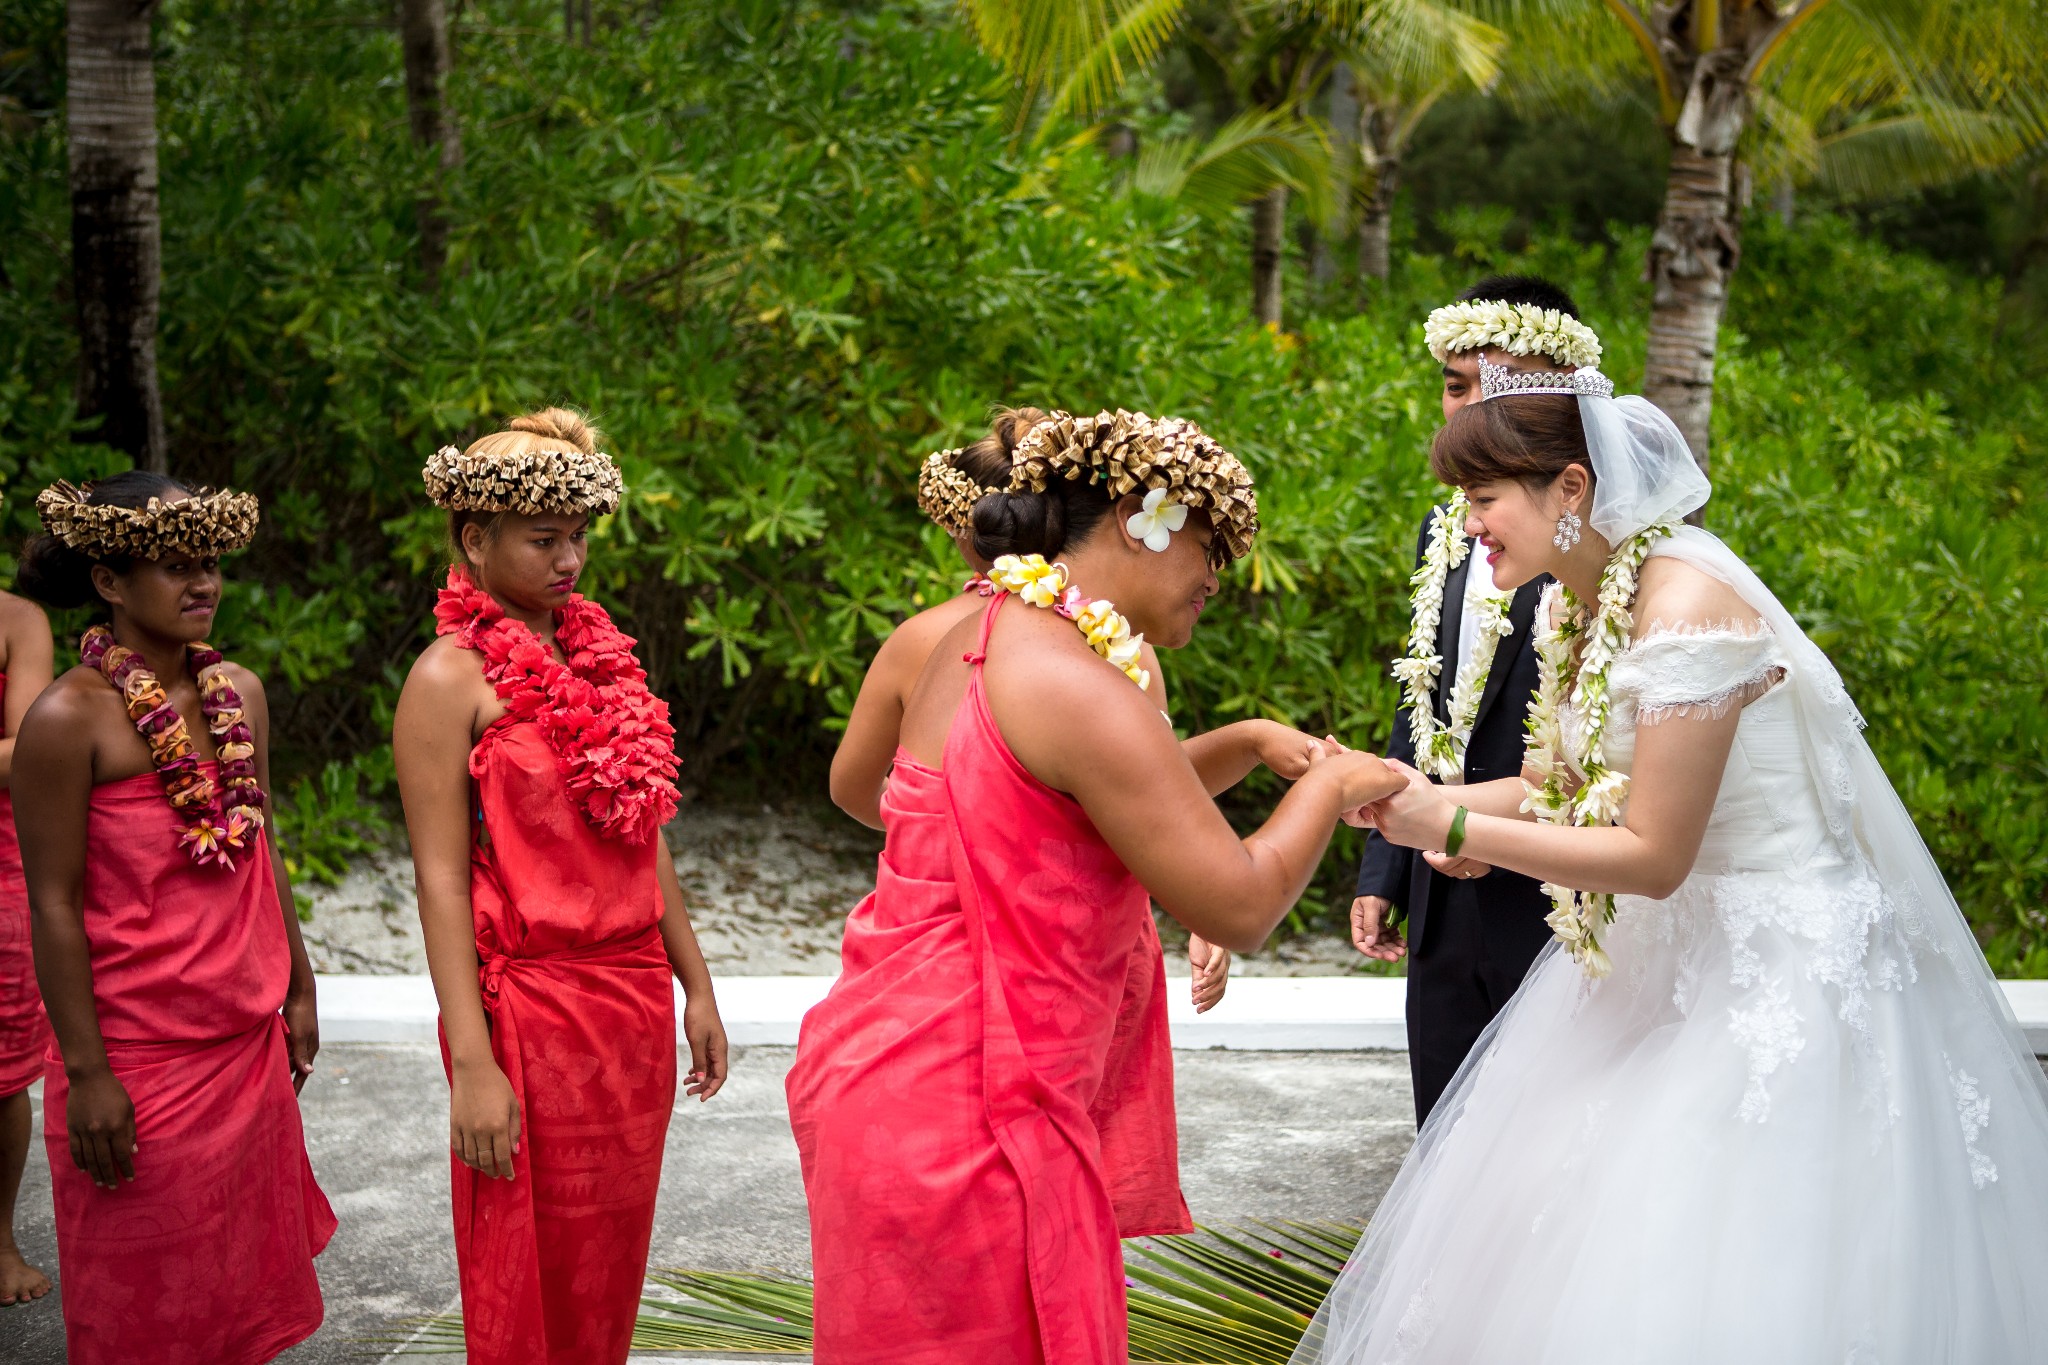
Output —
(1674, 597)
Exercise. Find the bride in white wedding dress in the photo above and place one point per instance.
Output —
(1796, 1122)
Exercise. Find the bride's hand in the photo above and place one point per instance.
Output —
(1464, 869)
(1417, 816)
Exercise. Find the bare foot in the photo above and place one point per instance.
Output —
(20, 1282)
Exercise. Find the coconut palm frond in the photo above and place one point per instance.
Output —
(1782, 144)
(1569, 57)
(1418, 43)
(1880, 96)
(1245, 158)
(1933, 146)
(1244, 1294)
(1098, 79)
(1239, 1295)
(1092, 46)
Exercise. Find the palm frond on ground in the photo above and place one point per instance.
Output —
(1237, 1295)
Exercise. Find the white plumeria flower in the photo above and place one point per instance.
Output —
(1158, 521)
(1124, 653)
(1101, 623)
(1031, 578)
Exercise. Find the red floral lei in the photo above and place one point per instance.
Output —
(218, 829)
(612, 736)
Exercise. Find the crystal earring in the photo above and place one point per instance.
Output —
(1567, 530)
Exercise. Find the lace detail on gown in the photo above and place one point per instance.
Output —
(1973, 1107)
(1684, 672)
(1769, 1031)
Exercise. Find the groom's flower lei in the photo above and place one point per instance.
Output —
(1440, 749)
(1562, 619)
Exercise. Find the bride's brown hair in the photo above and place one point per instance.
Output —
(1530, 438)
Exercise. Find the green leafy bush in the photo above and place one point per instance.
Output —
(781, 250)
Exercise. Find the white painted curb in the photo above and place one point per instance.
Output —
(1259, 1013)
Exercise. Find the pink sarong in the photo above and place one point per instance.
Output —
(24, 1032)
(984, 1103)
(206, 1257)
(577, 986)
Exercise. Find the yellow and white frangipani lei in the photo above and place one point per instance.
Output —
(1045, 585)
(1561, 620)
(1440, 750)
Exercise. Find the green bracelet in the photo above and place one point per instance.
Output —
(1456, 840)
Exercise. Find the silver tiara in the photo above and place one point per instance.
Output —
(1497, 381)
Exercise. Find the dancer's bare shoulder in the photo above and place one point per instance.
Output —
(1066, 712)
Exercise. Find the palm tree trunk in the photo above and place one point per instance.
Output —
(1692, 254)
(1269, 236)
(423, 32)
(1376, 222)
(116, 223)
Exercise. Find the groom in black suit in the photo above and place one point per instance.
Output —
(1471, 931)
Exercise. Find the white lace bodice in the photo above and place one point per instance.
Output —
(1767, 814)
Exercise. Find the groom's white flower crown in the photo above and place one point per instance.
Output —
(1517, 328)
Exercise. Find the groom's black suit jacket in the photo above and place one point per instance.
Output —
(1494, 925)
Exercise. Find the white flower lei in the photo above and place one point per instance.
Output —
(1517, 328)
(1440, 750)
(1561, 619)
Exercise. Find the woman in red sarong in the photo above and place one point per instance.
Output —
(977, 1121)
(948, 486)
(25, 664)
(166, 947)
(537, 770)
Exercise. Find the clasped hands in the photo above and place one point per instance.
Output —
(1419, 817)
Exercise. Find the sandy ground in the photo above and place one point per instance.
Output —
(769, 889)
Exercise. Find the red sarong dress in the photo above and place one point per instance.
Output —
(206, 1257)
(24, 1032)
(576, 983)
(984, 1103)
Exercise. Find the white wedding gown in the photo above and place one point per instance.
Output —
(1797, 1125)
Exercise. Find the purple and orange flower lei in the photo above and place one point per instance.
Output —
(218, 827)
(610, 733)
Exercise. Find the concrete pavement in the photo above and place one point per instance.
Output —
(1263, 1134)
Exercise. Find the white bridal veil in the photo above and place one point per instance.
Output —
(1644, 473)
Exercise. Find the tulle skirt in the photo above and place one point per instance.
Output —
(1788, 1128)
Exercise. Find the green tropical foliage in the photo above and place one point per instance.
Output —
(782, 250)
(1241, 1295)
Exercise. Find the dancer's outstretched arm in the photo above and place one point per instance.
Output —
(1224, 757)
(1080, 727)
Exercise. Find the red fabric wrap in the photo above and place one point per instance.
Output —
(577, 986)
(24, 1032)
(206, 1257)
(984, 1102)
